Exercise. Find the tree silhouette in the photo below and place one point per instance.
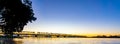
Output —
(14, 15)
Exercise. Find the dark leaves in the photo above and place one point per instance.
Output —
(15, 14)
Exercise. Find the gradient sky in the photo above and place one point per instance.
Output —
(76, 16)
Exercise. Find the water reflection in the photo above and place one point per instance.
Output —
(10, 41)
(61, 41)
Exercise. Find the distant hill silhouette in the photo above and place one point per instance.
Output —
(103, 36)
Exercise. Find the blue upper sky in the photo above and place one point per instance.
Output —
(76, 16)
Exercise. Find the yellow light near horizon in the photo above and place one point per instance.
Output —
(97, 34)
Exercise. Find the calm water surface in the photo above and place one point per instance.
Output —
(61, 41)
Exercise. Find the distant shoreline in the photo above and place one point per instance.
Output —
(53, 35)
(57, 37)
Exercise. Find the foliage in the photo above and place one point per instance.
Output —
(15, 14)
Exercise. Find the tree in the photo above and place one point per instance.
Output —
(14, 15)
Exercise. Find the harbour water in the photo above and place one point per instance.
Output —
(61, 41)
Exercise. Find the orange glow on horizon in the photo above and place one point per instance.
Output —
(98, 34)
(88, 34)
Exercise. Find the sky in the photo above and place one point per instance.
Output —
(76, 16)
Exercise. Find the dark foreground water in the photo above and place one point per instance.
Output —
(61, 41)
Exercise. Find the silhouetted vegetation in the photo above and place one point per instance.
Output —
(55, 35)
(103, 36)
(14, 15)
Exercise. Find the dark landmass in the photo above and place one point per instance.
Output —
(52, 35)
(115, 36)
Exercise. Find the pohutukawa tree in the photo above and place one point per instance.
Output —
(14, 15)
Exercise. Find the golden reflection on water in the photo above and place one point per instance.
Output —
(10, 41)
(62, 41)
